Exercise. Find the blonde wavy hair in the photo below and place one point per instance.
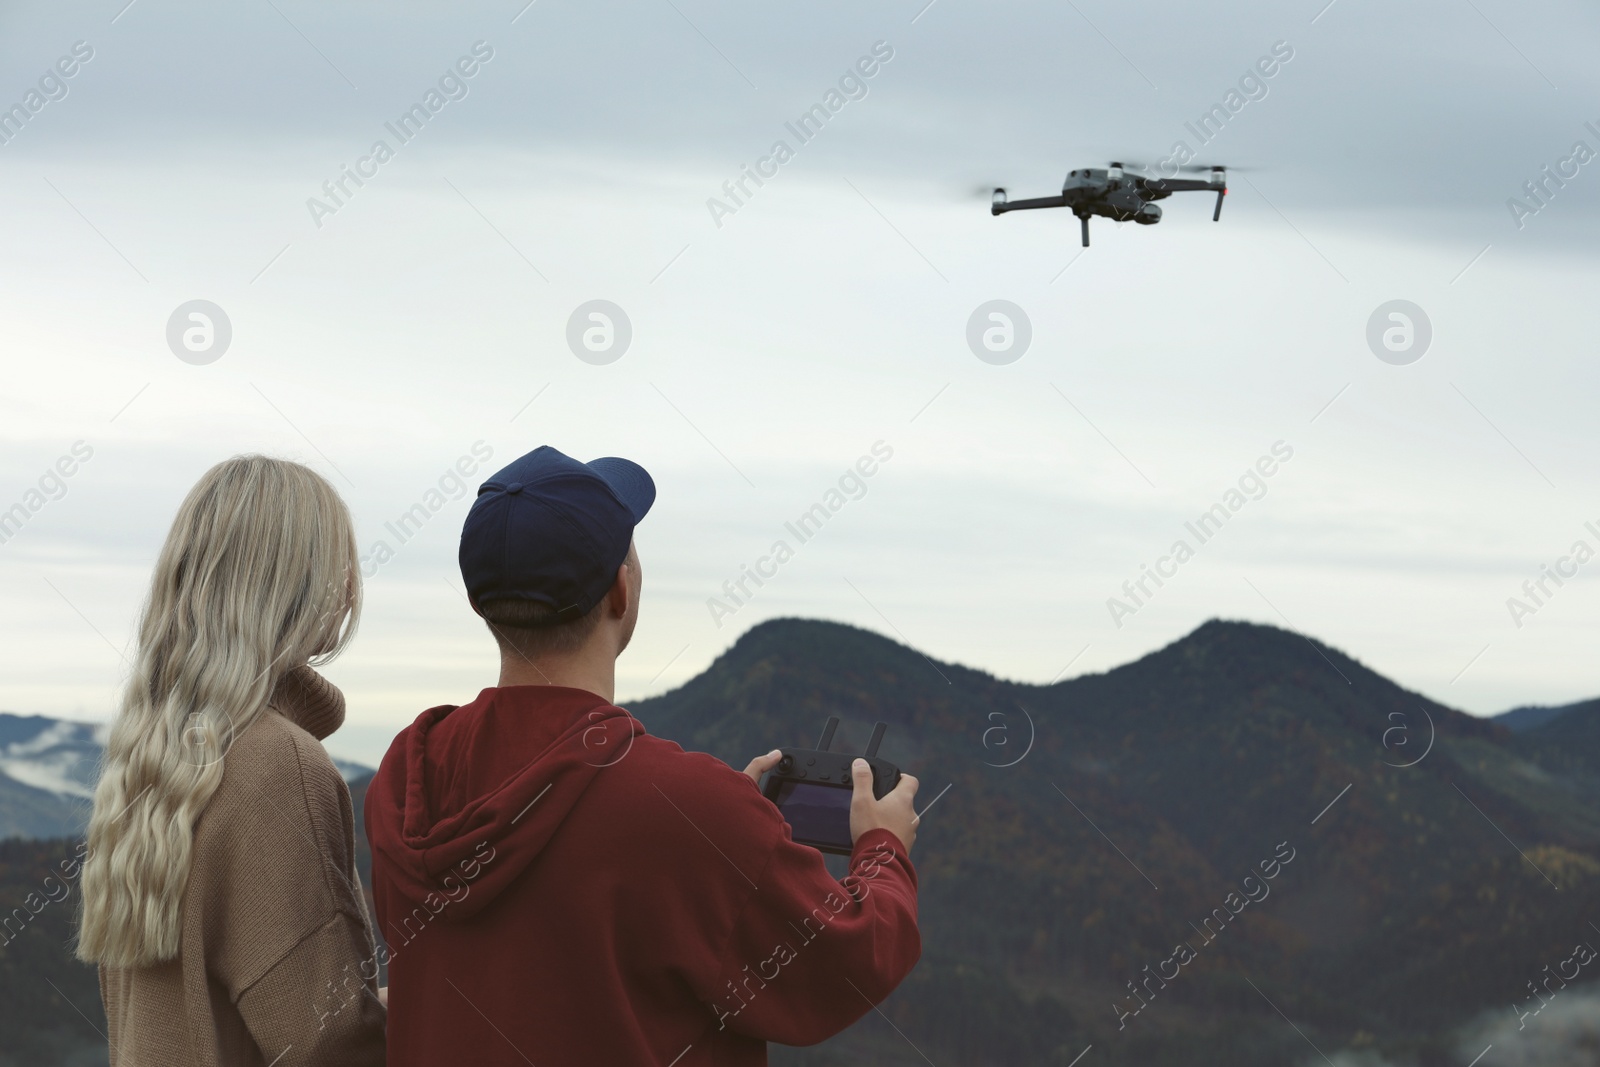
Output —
(258, 575)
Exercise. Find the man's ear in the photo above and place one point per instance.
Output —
(619, 597)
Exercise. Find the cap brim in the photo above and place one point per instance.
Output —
(631, 482)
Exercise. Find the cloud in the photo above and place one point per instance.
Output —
(1357, 1058)
(1397, 114)
(428, 313)
(1566, 1033)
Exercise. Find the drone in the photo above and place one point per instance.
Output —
(1116, 194)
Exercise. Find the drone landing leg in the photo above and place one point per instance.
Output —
(1085, 220)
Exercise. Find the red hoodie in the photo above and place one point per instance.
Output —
(559, 888)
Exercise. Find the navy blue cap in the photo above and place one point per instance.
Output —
(551, 530)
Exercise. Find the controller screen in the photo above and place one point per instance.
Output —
(816, 812)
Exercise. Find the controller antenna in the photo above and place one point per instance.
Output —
(827, 733)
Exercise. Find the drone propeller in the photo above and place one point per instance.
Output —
(976, 190)
(1200, 168)
(1217, 172)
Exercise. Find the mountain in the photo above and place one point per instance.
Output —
(1148, 795)
(1568, 747)
(1530, 716)
(1244, 848)
(47, 774)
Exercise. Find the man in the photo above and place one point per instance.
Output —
(556, 886)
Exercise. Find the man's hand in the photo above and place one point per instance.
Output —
(762, 764)
(893, 813)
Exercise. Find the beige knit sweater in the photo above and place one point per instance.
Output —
(277, 964)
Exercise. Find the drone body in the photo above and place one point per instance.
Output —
(1116, 194)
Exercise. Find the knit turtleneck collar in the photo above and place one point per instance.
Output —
(310, 701)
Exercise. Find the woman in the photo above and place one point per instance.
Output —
(220, 894)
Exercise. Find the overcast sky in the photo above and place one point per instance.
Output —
(382, 336)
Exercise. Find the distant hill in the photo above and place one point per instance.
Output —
(1082, 831)
(1568, 747)
(47, 774)
(1530, 716)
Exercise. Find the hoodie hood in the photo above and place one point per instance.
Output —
(467, 797)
